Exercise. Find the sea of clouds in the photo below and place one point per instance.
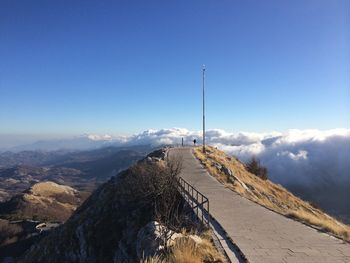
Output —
(302, 155)
(314, 164)
(292, 157)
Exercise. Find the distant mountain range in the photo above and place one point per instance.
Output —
(83, 170)
(83, 142)
(47, 186)
(93, 141)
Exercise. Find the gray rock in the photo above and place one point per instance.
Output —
(160, 154)
(226, 171)
(252, 188)
(82, 243)
(153, 238)
(218, 166)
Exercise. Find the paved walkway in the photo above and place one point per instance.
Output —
(262, 235)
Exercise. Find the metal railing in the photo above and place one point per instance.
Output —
(198, 202)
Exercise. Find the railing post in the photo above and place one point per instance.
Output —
(193, 200)
(192, 195)
(208, 213)
(202, 210)
(197, 203)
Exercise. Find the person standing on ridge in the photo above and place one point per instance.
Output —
(194, 142)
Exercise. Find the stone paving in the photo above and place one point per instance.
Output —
(262, 235)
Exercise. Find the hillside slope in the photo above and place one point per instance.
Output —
(233, 174)
(45, 201)
(106, 228)
(82, 170)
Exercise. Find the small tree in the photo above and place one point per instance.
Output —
(155, 184)
(254, 166)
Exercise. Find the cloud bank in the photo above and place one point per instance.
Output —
(292, 157)
(297, 156)
(300, 154)
(314, 164)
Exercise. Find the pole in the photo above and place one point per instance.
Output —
(203, 70)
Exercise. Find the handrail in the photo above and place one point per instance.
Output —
(197, 201)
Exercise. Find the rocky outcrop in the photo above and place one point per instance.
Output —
(230, 175)
(106, 226)
(116, 223)
(157, 156)
(154, 237)
(226, 171)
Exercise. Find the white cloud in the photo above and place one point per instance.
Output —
(299, 156)
(309, 161)
(294, 157)
(96, 137)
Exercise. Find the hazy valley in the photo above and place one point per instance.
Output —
(43, 188)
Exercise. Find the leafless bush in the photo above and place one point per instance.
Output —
(168, 205)
(254, 166)
(156, 184)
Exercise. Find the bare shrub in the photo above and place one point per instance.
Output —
(155, 184)
(254, 166)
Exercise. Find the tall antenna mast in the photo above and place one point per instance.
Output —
(203, 80)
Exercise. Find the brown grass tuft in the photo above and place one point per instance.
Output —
(186, 250)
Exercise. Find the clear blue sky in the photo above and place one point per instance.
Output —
(69, 67)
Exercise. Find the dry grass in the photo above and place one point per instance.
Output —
(268, 194)
(155, 259)
(49, 189)
(186, 250)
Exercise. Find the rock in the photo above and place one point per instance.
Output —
(251, 187)
(153, 159)
(218, 166)
(173, 237)
(152, 239)
(159, 154)
(82, 243)
(196, 239)
(226, 171)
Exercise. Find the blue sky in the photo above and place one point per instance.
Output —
(72, 67)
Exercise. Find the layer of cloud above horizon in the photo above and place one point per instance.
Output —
(296, 157)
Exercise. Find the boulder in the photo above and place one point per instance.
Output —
(153, 159)
(154, 237)
(159, 154)
(218, 166)
(226, 171)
